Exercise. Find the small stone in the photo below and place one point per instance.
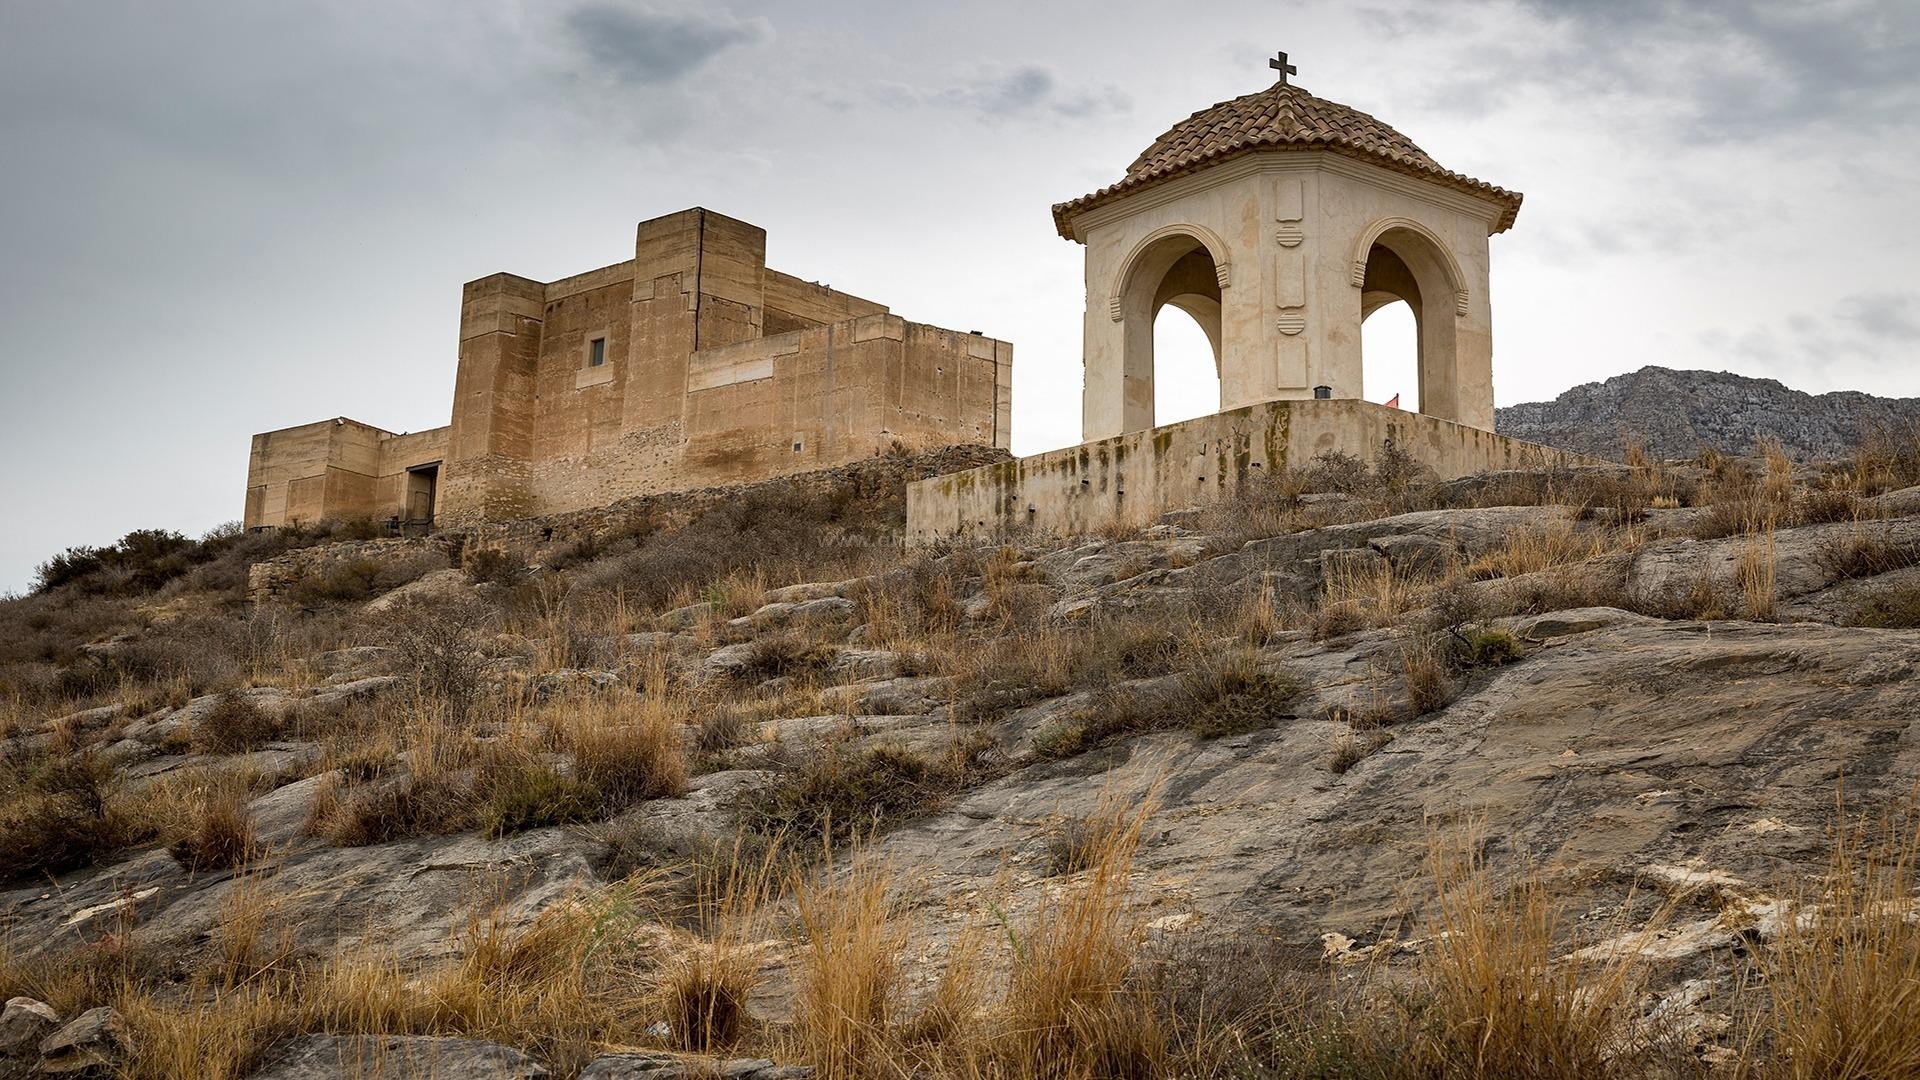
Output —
(96, 1038)
(23, 1024)
(639, 1065)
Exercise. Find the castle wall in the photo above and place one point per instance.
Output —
(716, 371)
(1133, 479)
(334, 470)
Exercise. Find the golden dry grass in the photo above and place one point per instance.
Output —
(852, 940)
(1505, 1002)
(1842, 975)
(1755, 572)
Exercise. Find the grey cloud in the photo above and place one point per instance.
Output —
(1745, 70)
(1025, 90)
(648, 47)
(1861, 335)
(1892, 317)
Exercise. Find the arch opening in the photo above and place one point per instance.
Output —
(1390, 344)
(1186, 372)
(1177, 270)
(1407, 272)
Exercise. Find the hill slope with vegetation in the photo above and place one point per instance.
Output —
(1599, 772)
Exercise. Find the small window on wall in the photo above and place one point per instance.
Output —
(596, 352)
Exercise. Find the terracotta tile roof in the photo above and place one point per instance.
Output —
(1281, 117)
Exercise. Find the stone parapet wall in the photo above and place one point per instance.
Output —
(876, 486)
(1130, 480)
(274, 580)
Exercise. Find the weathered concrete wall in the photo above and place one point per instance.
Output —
(336, 470)
(716, 370)
(1132, 479)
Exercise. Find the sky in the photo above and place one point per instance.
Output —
(224, 218)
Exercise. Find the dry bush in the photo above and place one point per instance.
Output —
(1230, 692)
(851, 945)
(1527, 551)
(1894, 607)
(703, 986)
(722, 727)
(1070, 1008)
(630, 748)
(234, 724)
(55, 814)
(1736, 502)
(840, 789)
(1842, 977)
(1222, 692)
(1821, 506)
(1886, 456)
(1264, 505)
(1350, 748)
(439, 645)
(534, 794)
(218, 834)
(1864, 549)
(1430, 681)
(352, 581)
(1361, 595)
(787, 653)
(1501, 1003)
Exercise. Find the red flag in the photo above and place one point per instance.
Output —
(1393, 402)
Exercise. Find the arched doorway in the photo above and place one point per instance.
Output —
(1186, 368)
(1390, 347)
(1406, 265)
(1175, 270)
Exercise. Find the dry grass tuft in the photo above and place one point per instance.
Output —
(1755, 574)
(704, 985)
(1502, 1003)
(851, 947)
(1070, 1009)
(1843, 977)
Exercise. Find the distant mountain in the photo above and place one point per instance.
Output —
(1678, 413)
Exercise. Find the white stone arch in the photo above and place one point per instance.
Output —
(1399, 258)
(1185, 265)
(1443, 251)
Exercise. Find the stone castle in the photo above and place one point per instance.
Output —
(1278, 219)
(692, 365)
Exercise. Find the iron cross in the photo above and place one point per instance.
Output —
(1279, 63)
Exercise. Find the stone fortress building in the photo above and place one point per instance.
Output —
(691, 365)
(1279, 221)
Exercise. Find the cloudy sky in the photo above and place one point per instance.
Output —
(222, 218)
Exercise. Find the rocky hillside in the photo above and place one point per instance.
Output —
(1676, 414)
(1288, 787)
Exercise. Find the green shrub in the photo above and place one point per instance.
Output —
(234, 724)
(536, 795)
(54, 815)
(839, 790)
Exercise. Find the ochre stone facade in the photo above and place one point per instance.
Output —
(692, 365)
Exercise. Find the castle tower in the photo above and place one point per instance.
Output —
(1280, 221)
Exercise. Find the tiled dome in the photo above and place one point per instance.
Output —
(1281, 117)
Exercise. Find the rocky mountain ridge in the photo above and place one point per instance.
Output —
(1676, 414)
